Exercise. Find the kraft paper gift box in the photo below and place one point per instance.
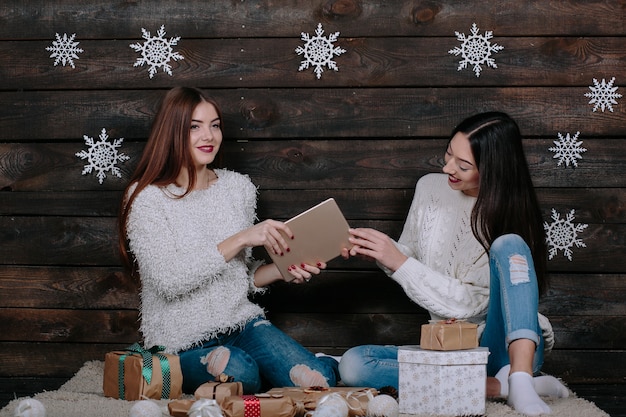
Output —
(179, 408)
(442, 382)
(306, 399)
(187, 407)
(218, 391)
(138, 373)
(449, 335)
(258, 405)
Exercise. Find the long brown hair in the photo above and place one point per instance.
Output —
(507, 202)
(166, 154)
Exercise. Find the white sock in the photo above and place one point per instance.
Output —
(522, 395)
(503, 377)
(549, 386)
(320, 354)
(545, 385)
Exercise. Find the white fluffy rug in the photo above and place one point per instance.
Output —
(82, 396)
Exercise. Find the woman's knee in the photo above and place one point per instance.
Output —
(203, 365)
(352, 365)
(509, 242)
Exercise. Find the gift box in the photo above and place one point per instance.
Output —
(442, 382)
(306, 399)
(258, 405)
(179, 408)
(449, 335)
(137, 374)
(218, 391)
(203, 407)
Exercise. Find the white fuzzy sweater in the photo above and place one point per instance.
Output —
(447, 271)
(189, 292)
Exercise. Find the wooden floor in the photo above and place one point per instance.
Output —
(609, 398)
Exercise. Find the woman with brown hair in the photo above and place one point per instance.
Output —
(187, 229)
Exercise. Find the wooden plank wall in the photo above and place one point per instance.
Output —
(363, 134)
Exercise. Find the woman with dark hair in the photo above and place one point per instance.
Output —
(472, 248)
(186, 230)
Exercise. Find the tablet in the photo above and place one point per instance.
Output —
(320, 233)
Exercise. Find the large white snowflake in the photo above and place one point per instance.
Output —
(568, 149)
(64, 50)
(156, 51)
(102, 156)
(476, 50)
(603, 94)
(319, 51)
(562, 234)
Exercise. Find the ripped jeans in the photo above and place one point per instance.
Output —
(512, 311)
(511, 315)
(258, 353)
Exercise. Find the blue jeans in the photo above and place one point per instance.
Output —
(257, 354)
(511, 315)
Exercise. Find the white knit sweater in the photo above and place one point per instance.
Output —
(447, 271)
(189, 292)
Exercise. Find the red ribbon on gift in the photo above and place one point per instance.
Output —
(252, 406)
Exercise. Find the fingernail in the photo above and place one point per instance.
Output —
(292, 237)
(288, 249)
(293, 267)
(302, 266)
(289, 269)
(281, 254)
(319, 264)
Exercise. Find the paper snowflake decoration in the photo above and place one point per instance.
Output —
(476, 50)
(102, 156)
(568, 149)
(319, 51)
(156, 51)
(603, 94)
(562, 234)
(64, 50)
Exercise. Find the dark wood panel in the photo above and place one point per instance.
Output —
(67, 287)
(262, 18)
(55, 203)
(608, 397)
(12, 388)
(371, 291)
(58, 241)
(357, 291)
(605, 332)
(69, 326)
(311, 329)
(310, 113)
(344, 330)
(596, 366)
(354, 165)
(574, 294)
(272, 62)
(64, 359)
(93, 242)
(60, 360)
(591, 205)
(363, 134)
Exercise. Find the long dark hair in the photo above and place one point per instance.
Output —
(166, 154)
(507, 202)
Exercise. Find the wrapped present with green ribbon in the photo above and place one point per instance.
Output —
(138, 373)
